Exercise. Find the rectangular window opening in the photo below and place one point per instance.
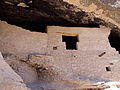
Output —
(108, 68)
(70, 41)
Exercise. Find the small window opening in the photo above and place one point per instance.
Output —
(108, 68)
(70, 41)
(54, 48)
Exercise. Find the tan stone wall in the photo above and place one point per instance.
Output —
(87, 60)
(16, 40)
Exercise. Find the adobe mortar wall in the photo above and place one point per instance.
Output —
(85, 61)
(18, 41)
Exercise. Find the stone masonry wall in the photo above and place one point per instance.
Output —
(93, 56)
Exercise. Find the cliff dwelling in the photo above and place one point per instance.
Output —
(81, 51)
(59, 44)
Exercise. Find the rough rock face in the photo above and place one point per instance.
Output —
(112, 3)
(9, 80)
(47, 72)
(59, 13)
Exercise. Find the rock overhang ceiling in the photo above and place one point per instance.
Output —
(48, 13)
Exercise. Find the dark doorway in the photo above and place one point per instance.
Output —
(70, 41)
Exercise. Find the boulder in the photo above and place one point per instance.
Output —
(9, 80)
